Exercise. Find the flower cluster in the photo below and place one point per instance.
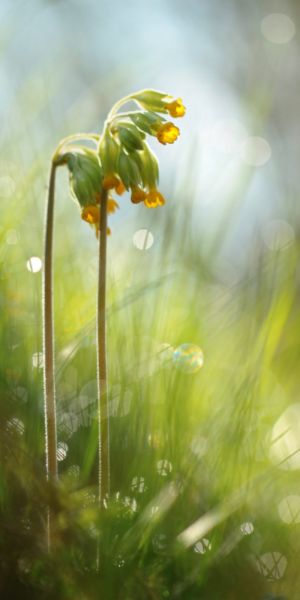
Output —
(123, 159)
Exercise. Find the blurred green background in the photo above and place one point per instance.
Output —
(212, 278)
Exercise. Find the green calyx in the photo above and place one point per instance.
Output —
(130, 137)
(108, 151)
(147, 121)
(151, 100)
(85, 175)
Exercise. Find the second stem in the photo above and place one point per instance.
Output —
(103, 414)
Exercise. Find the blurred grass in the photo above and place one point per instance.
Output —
(211, 427)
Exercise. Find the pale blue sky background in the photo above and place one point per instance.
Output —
(64, 62)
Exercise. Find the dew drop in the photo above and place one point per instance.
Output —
(119, 562)
(272, 565)
(289, 509)
(130, 503)
(62, 451)
(202, 546)
(143, 239)
(278, 28)
(38, 360)
(247, 528)
(285, 439)
(15, 425)
(34, 264)
(188, 358)
(138, 485)
(164, 467)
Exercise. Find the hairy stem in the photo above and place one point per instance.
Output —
(48, 345)
(103, 416)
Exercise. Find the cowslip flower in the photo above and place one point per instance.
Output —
(176, 108)
(137, 195)
(167, 133)
(111, 182)
(154, 101)
(92, 213)
(154, 198)
(123, 159)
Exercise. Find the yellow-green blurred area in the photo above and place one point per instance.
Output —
(203, 306)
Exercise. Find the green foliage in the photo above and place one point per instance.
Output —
(185, 444)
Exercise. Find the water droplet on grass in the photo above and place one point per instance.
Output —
(278, 28)
(130, 503)
(285, 439)
(202, 546)
(34, 264)
(272, 565)
(15, 425)
(289, 509)
(143, 239)
(38, 360)
(62, 451)
(119, 562)
(247, 528)
(164, 467)
(188, 358)
(138, 485)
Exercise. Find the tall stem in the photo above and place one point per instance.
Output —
(103, 416)
(48, 344)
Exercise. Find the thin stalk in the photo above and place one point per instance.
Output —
(118, 105)
(103, 416)
(48, 345)
(73, 138)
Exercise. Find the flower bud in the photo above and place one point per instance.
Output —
(154, 198)
(167, 133)
(138, 195)
(147, 121)
(175, 108)
(111, 182)
(151, 100)
(130, 137)
(150, 167)
(85, 175)
(128, 170)
(109, 151)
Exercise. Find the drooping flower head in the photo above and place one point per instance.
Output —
(123, 159)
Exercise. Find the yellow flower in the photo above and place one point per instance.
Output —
(111, 182)
(154, 198)
(91, 214)
(112, 206)
(167, 133)
(137, 195)
(176, 108)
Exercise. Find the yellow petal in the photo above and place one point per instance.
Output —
(176, 108)
(91, 214)
(153, 199)
(167, 133)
